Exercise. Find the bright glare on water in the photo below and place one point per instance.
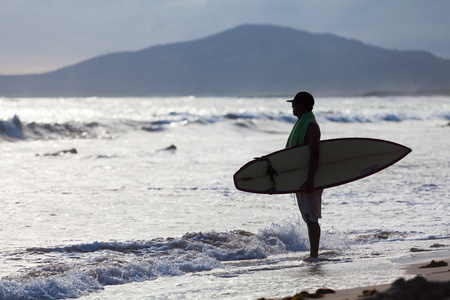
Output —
(124, 217)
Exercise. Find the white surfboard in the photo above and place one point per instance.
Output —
(340, 161)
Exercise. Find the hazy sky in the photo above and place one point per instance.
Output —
(43, 35)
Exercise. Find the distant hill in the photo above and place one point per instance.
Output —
(250, 60)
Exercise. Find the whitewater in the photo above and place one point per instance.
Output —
(133, 198)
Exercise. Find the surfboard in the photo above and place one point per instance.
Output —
(340, 161)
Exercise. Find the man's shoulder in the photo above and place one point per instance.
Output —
(313, 125)
(313, 130)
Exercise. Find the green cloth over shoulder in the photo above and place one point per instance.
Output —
(298, 133)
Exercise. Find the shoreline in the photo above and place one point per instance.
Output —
(433, 274)
(413, 271)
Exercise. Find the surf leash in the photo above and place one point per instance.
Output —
(270, 171)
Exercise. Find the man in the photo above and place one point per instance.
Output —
(306, 131)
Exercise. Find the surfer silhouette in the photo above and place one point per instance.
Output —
(306, 131)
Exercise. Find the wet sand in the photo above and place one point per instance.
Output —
(425, 280)
(436, 274)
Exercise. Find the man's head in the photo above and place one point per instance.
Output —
(304, 98)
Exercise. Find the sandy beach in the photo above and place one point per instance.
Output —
(432, 274)
(435, 278)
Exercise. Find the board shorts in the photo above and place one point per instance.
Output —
(310, 204)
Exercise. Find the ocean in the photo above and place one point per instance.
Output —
(133, 198)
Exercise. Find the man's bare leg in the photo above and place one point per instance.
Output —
(314, 238)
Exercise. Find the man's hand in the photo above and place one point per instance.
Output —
(308, 186)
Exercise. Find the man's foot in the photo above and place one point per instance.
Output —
(311, 259)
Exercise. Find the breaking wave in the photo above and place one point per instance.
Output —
(15, 130)
(76, 270)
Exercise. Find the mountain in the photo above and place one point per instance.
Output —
(250, 60)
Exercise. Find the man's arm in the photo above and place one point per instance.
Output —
(313, 135)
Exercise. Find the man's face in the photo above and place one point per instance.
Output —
(298, 109)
